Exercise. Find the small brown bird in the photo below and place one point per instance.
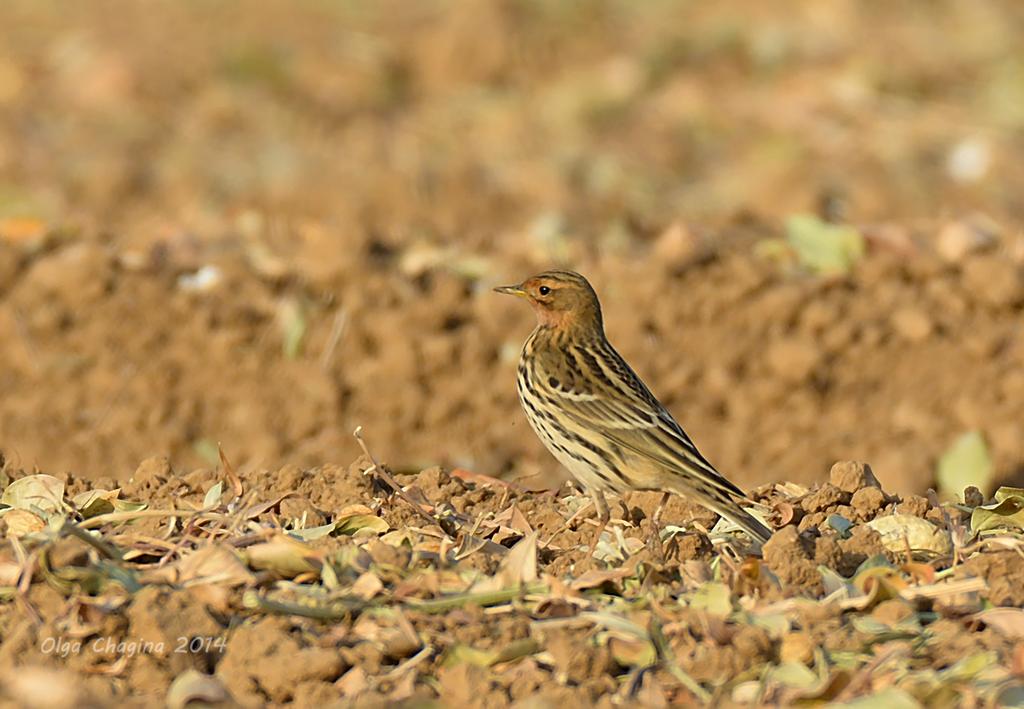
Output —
(597, 417)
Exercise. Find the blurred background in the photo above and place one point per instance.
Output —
(262, 224)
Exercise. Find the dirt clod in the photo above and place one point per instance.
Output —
(851, 476)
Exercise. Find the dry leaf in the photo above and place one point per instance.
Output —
(22, 522)
(367, 586)
(194, 686)
(283, 555)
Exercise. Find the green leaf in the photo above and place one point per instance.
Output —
(95, 502)
(822, 247)
(715, 598)
(777, 624)
(971, 666)
(308, 535)
(293, 327)
(1005, 492)
(1009, 512)
(794, 674)
(901, 531)
(40, 494)
(1011, 696)
(128, 505)
(833, 581)
(466, 655)
(840, 524)
(966, 462)
(213, 495)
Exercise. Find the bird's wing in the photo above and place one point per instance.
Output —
(598, 391)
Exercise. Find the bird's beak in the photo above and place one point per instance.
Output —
(511, 290)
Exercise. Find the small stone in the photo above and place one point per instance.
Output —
(850, 476)
(811, 521)
(912, 324)
(957, 239)
(913, 505)
(937, 516)
(828, 495)
(787, 555)
(866, 502)
(289, 477)
(827, 552)
(973, 496)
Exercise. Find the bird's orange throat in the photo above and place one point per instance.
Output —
(556, 319)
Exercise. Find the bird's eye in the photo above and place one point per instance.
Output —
(543, 290)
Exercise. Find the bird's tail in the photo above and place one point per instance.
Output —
(745, 521)
(726, 503)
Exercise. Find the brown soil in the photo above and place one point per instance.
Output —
(555, 643)
(373, 193)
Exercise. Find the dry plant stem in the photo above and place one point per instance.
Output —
(487, 598)
(253, 600)
(409, 664)
(337, 328)
(603, 516)
(392, 483)
(108, 550)
(110, 517)
(566, 524)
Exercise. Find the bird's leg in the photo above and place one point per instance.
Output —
(654, 539)
(660, 509)
(624, 501)
(603, 515)
(568, 523)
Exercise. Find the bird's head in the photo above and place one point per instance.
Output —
(561, 299)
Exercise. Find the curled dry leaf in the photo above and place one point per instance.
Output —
(194, 686)
(283, 555)
(900, 531)
(37, 493)
(95, 502)
(1007, 621)
(1006, 511)
(783, 513)
(519, 567)
(215, 564)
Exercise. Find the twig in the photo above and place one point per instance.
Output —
(392, 483)
(409, 664)
(946, 588)
(100, 520)
(565, 525)
(485, 598)
(253, 600)
(103, 547)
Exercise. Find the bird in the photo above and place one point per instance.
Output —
(598, 418)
